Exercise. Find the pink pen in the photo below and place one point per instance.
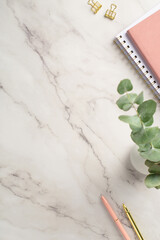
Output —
(115, 218)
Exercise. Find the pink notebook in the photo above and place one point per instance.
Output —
(146, 37)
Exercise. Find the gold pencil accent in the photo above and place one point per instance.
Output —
(116, 220)
(133, 222)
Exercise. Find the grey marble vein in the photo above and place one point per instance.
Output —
(61, 142)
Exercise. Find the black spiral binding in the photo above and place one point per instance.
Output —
(140, 68)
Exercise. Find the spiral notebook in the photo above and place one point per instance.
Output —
(140, 42)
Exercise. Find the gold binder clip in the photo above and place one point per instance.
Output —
(110, 12)
(95, 6)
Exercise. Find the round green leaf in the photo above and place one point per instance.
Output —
(134, 122)
(152, 180)
(131, 97)
(125, 102)
(152, 155)
(144, 147)
(124, 86)
(155, 168)
(148, 163)
(126, 107)
(146, 110)
(144, 136)
(156, 140)
(139, 99)
(149, 123)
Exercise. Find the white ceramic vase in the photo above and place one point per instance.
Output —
(137, 161)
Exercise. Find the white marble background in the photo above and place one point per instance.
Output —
(61, 143)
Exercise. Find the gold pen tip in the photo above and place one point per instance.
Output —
(125, 208)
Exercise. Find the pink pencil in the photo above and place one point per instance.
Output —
(115, 218)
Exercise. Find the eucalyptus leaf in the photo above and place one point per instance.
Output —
(152, 180)
(148, 163)
(124, 86)
(146, 110)
(155, 168)
(152, 155)
(139, 99)
(145, 135)
(131, 97)
(156, 140)
(126, 107)
(149, 123)
(134, 121)
(144, 147)
(123, 103)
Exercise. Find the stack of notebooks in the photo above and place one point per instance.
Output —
(140, 42)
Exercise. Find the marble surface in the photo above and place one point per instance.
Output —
(61, 143)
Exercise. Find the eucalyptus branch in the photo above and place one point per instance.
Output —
(142, 134)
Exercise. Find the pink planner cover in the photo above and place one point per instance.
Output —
(146, 37)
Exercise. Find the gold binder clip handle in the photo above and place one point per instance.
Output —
(95, 6)
(110, 12)
(91, 2)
